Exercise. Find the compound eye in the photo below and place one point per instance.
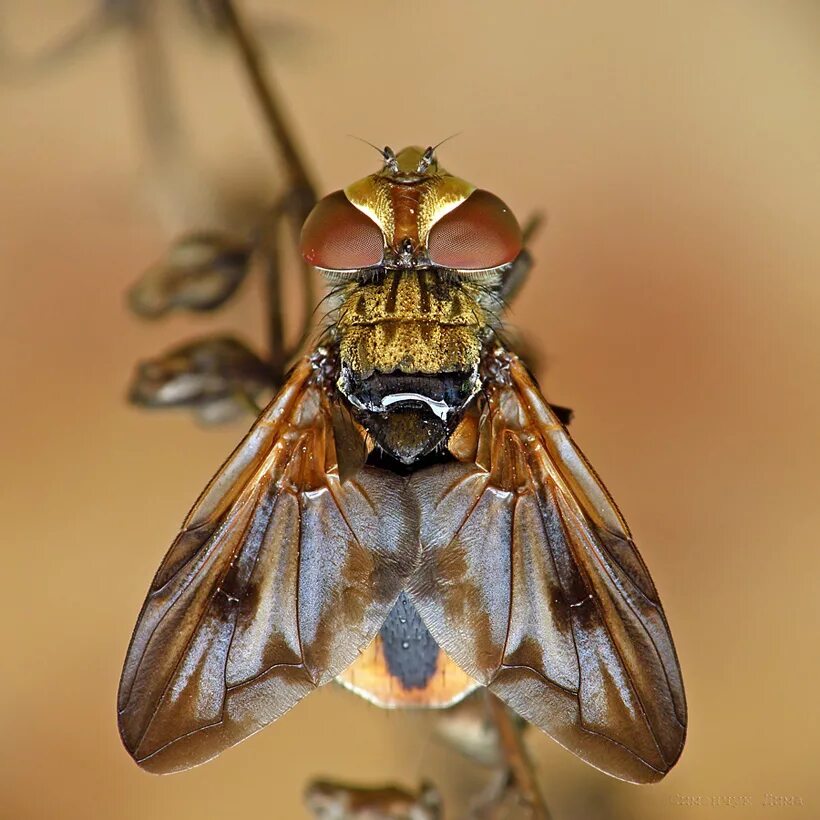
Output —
(479, 234)
(338, 236)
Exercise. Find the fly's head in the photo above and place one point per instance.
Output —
(417, 259)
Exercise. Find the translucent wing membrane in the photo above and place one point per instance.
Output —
(280, 577)
(530, 581)
(515, 558)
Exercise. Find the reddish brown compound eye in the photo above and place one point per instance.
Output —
(338, 236)
(480, 233)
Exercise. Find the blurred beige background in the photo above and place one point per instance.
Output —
(676, 150)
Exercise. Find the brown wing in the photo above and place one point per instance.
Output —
(530, 581)
(280, 577)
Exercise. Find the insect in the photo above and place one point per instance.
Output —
(409, 516)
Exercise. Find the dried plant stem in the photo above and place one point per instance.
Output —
(295, 205)
(89, 31)
(177, 192)
(268, 242)
(278, 128)
(516, 758)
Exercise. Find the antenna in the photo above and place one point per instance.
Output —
(429, 154)
(387, 153)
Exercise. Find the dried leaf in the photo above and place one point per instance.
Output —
(217, 377)
(282, 35)
(200, 272)
(467, 728)
(327, 800)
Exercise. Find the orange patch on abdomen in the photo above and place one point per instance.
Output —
(370, 678)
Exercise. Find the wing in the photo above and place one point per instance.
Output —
(280, 577)
(530, 581)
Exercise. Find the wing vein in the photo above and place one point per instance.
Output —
(512, 586)
(247, 586)
(183, 654)
(561, 590)
(584, 728)
(298, 576)
(588, 584)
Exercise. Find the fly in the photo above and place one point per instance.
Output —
(408, 516)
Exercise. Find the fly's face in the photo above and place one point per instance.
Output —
(417, 258)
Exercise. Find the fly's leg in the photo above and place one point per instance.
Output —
(518, 273)
(516, 276)
(514, 281)
(564, 414)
